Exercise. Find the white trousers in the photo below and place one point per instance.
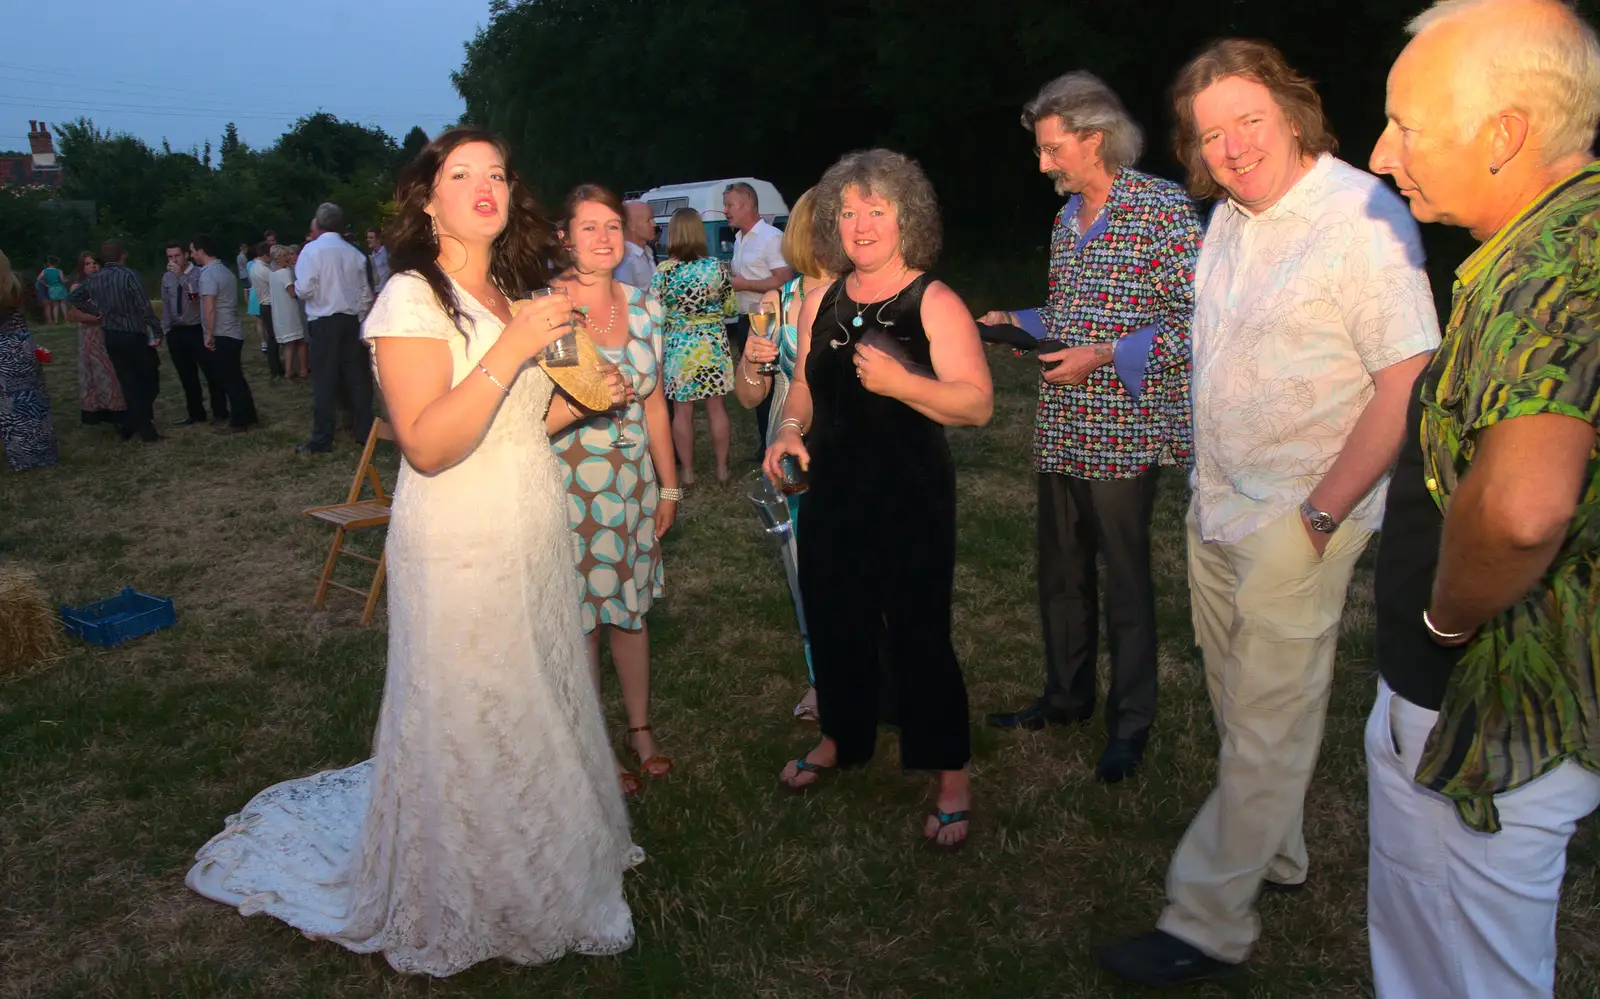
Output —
(1453, 913)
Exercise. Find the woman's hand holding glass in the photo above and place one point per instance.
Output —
(788, 442)
(539, 323)
(760, 351)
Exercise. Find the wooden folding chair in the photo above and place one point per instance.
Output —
(353, 514)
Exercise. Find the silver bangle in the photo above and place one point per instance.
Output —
(792, 422)
(672, 493)
(492, 378)
(572, 410)
(1443, 636)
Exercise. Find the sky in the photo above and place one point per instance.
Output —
(181, 72)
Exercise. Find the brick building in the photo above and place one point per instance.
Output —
(39, 166)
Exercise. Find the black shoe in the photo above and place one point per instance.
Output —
(149, 436)
(186, 421)
(1160, 960)
(233, 428)
(312, 449)
(1036, 716)
(1120, 760)
(1283, 887)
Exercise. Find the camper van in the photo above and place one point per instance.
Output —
(705, 197)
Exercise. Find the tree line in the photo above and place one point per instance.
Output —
(146, 195)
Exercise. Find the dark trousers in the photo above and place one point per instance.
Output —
(876, 588)
(738, 333)
(274, 357)
(186, 346)
(138, 369)
(1080, 520)
(227, 355)
(339, 358)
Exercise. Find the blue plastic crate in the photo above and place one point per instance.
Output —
(118, 619)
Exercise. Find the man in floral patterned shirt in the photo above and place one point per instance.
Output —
(1483, 747)
(1113, 406)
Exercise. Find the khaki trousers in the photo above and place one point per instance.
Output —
(1266, 614)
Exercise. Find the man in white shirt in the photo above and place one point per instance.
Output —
(1312, 320)
(331, 279)
(638, 263)
(758, 267)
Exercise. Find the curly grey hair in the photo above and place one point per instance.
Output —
(1086, 105)
(897, 179)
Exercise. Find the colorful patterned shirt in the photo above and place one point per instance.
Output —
(1131, 275)
(1524, 338)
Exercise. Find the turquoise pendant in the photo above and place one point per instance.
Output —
(856, 322)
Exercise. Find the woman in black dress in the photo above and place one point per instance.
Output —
(888, 358)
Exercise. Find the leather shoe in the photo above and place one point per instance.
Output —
(1035, 717)
(186, 421)
(1161, 960)
(1283, 887)
(311, 449)
(1120, 760)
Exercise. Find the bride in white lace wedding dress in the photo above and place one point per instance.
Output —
(489, 822)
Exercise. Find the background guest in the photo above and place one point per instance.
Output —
(758, 267)
(224, 334)
(888, 358)
(752, 386)
(696, 294)
(26, 433)
(623, 480)
(116, 296)
(55, 287)
(377, 261)
(288, 316)
(260, 272)
(180, 320)
(330, 277)
(99, 395)
(638, 262)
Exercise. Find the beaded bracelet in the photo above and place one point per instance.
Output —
(492, 378)
(672, 493)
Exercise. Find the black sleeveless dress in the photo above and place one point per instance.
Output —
(877, 543)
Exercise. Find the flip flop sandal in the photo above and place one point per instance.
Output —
(630, 783)
(932, 843)
(801, 766)
(806, 712)
(657, 766)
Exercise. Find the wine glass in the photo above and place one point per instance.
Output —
(616, 412)
(764, 324)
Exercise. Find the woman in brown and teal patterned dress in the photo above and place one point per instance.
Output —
(696, 294)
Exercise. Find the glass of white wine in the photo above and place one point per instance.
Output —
(764, 324)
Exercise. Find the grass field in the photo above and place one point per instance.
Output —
(117, 765)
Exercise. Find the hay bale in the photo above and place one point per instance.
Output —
(30, 628)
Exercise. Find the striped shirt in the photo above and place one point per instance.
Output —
(117, 296)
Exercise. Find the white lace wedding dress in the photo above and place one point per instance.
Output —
(489, 822)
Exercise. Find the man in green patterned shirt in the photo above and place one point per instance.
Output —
(1483, 750)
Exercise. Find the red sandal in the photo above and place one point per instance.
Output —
(659, 765)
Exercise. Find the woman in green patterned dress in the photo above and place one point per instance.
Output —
(621, 477)
(696, 293)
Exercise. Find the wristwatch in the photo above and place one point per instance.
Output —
(1320, 522)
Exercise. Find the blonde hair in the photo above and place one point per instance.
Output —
(281, 253)
(686, 235)
(10, 287)
(799, 246)
(1546, 66)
